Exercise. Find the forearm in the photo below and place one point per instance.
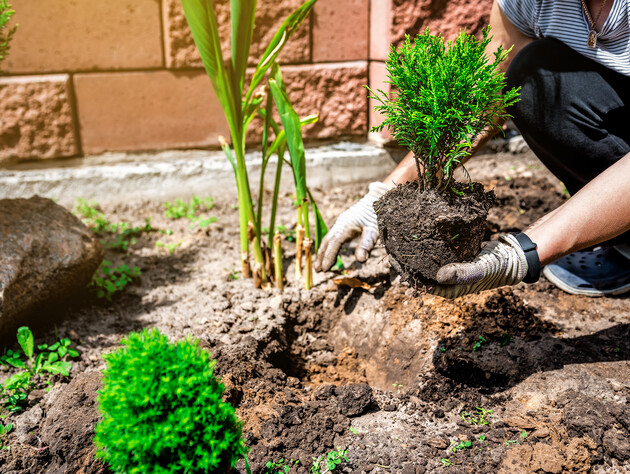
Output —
(598, 212)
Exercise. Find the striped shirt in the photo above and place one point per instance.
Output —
(566, 21)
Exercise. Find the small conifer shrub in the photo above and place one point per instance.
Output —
(444, 95)
(162, 410)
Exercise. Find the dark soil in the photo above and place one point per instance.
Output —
(401, 382)
(422, 231)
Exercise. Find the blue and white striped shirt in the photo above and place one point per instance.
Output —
(566, 21)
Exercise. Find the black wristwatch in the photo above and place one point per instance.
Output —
(531, 255)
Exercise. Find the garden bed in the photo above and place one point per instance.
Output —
(527, 379)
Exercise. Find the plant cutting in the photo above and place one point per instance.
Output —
(241, 105)
(444, 95)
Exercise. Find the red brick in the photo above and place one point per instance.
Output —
(72, 35)
(182, 52)
(340, 30)
(380, 28)
(378, 76)
(447, 18)
(334, 91)
(36, 118)
(147, 111)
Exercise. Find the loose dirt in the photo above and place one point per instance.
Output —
(519, 380)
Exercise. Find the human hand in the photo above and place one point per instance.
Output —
(358, 219)
(500, 262)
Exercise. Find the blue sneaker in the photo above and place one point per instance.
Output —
(598, 272)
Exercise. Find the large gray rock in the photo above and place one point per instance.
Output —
(47, 255)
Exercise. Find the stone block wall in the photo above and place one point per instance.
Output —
(86, 77)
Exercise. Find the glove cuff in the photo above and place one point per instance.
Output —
(377, 189)
(531, 255)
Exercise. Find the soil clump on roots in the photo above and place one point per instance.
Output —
(425, 230)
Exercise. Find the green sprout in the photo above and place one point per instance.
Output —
(444, 95)
(477, 418)
(329, 462)
(478, 344)
(109, 280)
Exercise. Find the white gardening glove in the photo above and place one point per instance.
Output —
(358, 219)
(500, 262)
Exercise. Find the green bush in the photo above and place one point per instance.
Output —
(445, 94)
(162, 410)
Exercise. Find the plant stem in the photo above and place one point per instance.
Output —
(277, 254)
(299, 239)
(308, 266)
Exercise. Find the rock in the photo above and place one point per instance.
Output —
(27, 421)
(617, 444)
(68, 429)
(546, 458)
(47, 256)
(355, 399)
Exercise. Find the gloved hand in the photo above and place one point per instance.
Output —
(358, 219)
(500, 262)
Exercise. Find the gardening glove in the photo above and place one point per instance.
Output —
(359, 219)
(500, 262)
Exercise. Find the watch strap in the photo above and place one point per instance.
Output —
(531, 256)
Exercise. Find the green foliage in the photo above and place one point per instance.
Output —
(53, 359)
(461, 446)
(478, 417)
(445, 95)
(479, 343)
(191, 210)
(168, 246)
(162, 410)
(117, 236)
(109, 280)
(280, 467)
(446, 462)
(329, 462)
(6, 12)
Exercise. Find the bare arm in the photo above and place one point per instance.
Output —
(504, 33)
(598, 212)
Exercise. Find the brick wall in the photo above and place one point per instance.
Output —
(85, 77)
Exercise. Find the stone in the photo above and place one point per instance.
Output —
(78, 35)
(148, 111)
(334, 91)
(617, 444)
(332, 39)
(181, 51)
(36, 118)
(410, 17)
(546, 458)
(48, 255)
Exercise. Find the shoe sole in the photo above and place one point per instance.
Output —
(592, 292)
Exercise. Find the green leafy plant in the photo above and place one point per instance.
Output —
(446, 462)
(241, 105)
(191, 210)
(461, 446)
(53, 359)
(477, 345)
(109, 280)
(162, 409)
(6, 12)
(168, 246)
(280, 467)
(444, 95)
(329, 462)
(478, 417)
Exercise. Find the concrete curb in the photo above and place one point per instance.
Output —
(120, 177)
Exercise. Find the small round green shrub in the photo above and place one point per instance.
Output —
(162, 410)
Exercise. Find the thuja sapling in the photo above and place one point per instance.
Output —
(444, 95)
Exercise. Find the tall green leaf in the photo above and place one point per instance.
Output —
(243, 12)
(320, 225)
(26, 340)
(203, 24)
(288, 27)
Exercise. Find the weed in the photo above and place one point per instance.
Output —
(169, 246)
(53, 359)
(109, 280)
(461, 446)
(511, 442)
(446, 462)
(523, 434)
(505, 339)
(289, 234)
(477, 418)
(479, 343)
(329, 462)
(191, 210)
(353, 430)
(280, 467)
(4, 430)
